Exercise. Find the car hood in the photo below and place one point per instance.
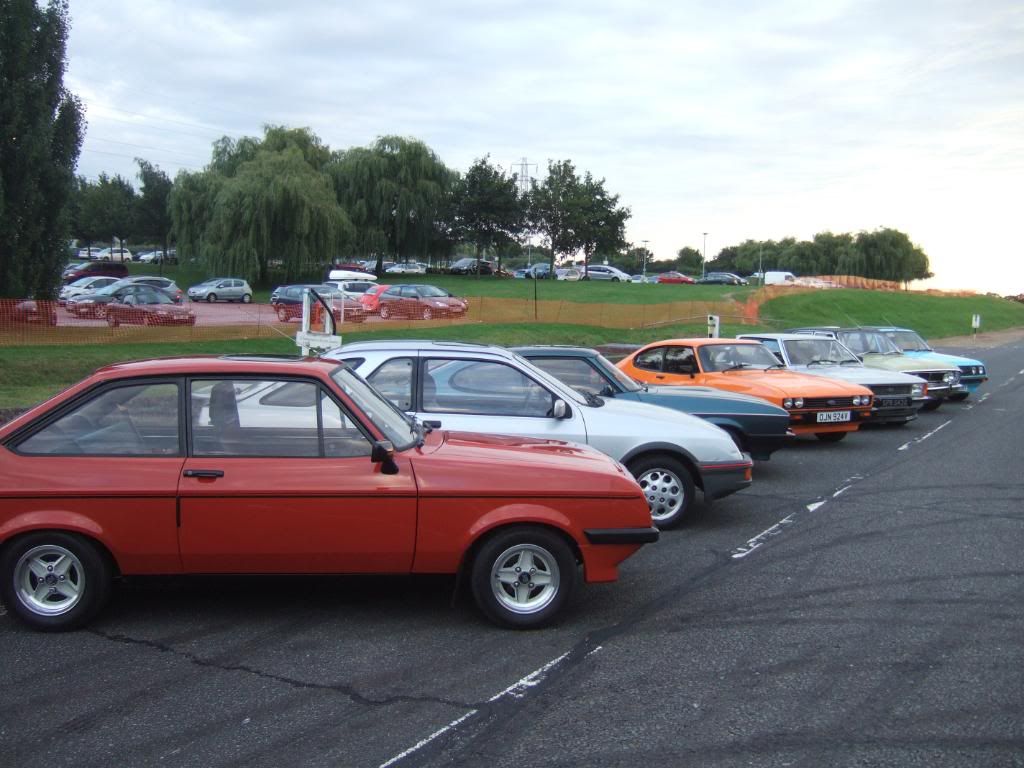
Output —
(954, 360)
(471, 464)
(858, 374)
(778, 383)
(907, 364)
(705, 398)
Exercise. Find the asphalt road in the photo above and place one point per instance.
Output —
(861, 605)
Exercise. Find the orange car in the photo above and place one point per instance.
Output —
(824, 407)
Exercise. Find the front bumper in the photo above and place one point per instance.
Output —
(718, 480)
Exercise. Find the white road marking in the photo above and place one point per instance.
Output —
(516, 690)
(761, 538)
(922, 438)
(842, 490)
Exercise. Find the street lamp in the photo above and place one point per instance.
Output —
(704, 255)
(644, 257)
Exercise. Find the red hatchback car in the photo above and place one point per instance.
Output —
(419, 302)
(674, 277)
(228, 465)
(370, 301)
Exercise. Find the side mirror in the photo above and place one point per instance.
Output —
(383, 453)
(560, 410)
(608, 391)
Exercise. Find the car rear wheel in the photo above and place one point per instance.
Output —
(100, 312)
(211, 297)
(385, 313)
(112, 321)
(668, 487)
(282, 314)
(54, 581)
(831, 437)
(427, 314)
(246, 298)
(522, 577)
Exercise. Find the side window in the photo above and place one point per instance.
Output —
(137, 420)
(394, 380)
(575, 372)
(679, 360)
(265, 417)
(775, 349)
(482, 387)
(649, 360)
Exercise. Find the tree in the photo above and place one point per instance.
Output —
(688, 260)
(152, 214)
(488, 209)
(888, 254)
(392, 192)
(104, 210)
(550, 209)
(600, 223)
(41, 128)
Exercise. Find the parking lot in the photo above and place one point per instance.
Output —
(861, 604)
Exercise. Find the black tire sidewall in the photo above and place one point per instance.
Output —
(98, 580)
(480, 575)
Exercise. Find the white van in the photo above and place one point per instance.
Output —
(779, 278)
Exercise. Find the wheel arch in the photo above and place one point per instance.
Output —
(481, 537)
(85, 533)
(674, 451)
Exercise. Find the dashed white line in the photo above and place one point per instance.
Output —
(842, 490)
(516, 690)
(924, 437)
(761, 538)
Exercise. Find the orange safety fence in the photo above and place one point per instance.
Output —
(29, 321)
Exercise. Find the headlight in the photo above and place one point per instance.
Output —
(787, 403)
(949, 377)
(798, 402)
(917, 390)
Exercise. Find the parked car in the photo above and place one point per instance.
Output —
(520, 273)
(370, 300)
(82, 286)
(407, 268)
(159, 257)
(94, 269)
(287, 303)
(828, 409)
(221, 289)
(638, 279)
(165, 284)
(675, 277)
(28, 311)
(897, 396)
(605, 272)
(95, 304)
(147, 307)
(568, 273)
(876, 350)
(354, 289)
(481, 388)
(113, 254)
(471, 267)
(350, 274)
(973, 373)
(721, 278)
(186, 488)
(424, 302)
(539, 271)
(755, 425)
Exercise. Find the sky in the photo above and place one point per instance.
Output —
(741, 119)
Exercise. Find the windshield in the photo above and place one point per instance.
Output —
(113, 287)
(817, 351)
(727, 357)
(395, 425)
(908, 341)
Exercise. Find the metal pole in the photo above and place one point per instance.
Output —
(704, 255)
(644, 270)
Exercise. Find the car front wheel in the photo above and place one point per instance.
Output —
(211, 297)
(385, 313)
(522, 577)
(246, 298)
(668, 487)
(54, 581)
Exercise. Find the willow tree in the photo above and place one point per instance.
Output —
(192, 204)
(392, 192)
(276, 208)
(41, 129)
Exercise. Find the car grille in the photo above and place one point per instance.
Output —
(828, 402)
(892, 390)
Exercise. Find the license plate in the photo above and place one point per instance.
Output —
(827, 417)
(895, 402)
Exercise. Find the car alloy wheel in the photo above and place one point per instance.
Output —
(112, 321)
(427, 314)
(246, 298)
(211, 297)
(282, 314)
(668, 487)
(385, 313)
(522, 577)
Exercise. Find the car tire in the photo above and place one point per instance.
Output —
(246, 298)
(959, 397)
(100, 312)
(667, 486)
(931, 405)
(211, 297)
(508, 600)
(615, 279)
(282, 314)
(384, 312)
(831, 437)
(79, 573)
(427, 314)
(112, 321)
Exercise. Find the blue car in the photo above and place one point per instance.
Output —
(972, 372)
(756, 426)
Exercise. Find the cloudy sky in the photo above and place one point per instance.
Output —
(742, 119)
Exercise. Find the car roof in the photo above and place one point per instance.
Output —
(779, 336)
(424, 345)
(699, 342)
(554, 350)
(217, 364)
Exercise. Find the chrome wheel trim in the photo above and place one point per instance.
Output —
(49, 580)
(664, 491)
(525, 578)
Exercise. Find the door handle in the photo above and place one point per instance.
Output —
(659, 376)
(204, 473)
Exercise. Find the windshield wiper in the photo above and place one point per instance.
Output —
(593, 399)
(776, 365)
(849, 362)
(736, 367)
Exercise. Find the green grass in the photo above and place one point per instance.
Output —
(934, 317)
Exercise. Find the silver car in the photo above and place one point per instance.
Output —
(478, 388)
(898, 396)
(221, 289)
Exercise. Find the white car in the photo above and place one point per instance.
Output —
(605, 272)
(568, 273)
(112, 254)
(407, 268)
(84, 285)
(349, 274)
(479, 388)
(351, 288)
(898, 396)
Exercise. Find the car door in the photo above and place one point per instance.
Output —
(475, 395)
(279, 480)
